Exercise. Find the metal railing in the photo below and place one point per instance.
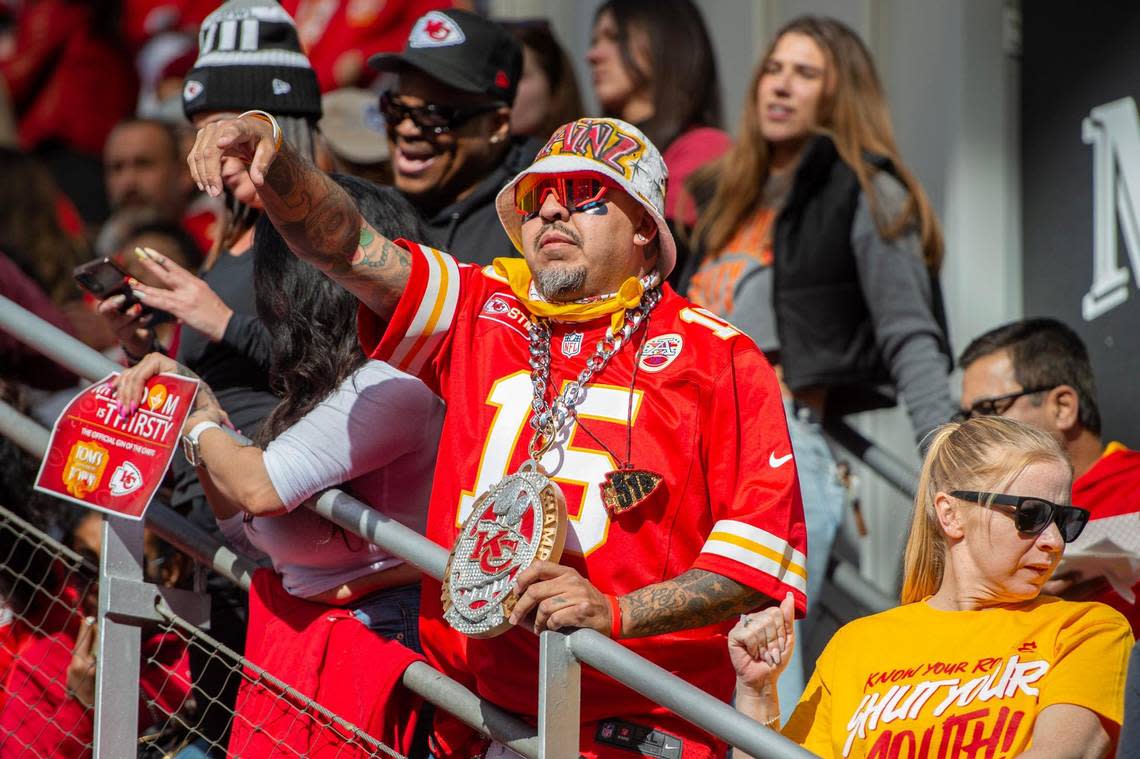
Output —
(560, 653)
(895, 472)
(137, 600)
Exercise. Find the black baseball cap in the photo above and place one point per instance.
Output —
(463, 50)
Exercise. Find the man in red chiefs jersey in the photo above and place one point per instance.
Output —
(579, 360)
(1038, 371)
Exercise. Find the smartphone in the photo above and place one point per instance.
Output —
(104, 278)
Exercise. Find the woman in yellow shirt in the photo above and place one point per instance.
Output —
(975, 662)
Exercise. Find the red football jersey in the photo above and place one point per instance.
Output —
(1110, 490)
(706, 414)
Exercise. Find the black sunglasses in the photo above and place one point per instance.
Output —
(1033, 515)
(996, 406)
(432, 118)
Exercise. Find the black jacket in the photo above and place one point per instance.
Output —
(826, 332)
(470, 229)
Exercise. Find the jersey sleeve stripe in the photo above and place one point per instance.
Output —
(759, 550)
(793, 576)
(758, 537)
(435, 313)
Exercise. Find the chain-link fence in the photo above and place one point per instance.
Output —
(271, 718)
(48, 672)
(47, 591)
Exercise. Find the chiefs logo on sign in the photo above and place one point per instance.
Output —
(435, 30)
(520, 520)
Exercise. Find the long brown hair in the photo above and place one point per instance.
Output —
(983, 453)
(683, 80)
(30, 230)
(565, 97)
(854, 115)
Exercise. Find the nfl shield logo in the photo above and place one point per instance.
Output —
(572, 344)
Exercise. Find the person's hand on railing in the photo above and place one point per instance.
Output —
(760, 647)
(183, 294)
(560, 597)
(81, 670)
(129, 389)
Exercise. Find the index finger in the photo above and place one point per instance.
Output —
(129, 386)
(262, 160)
(85, 639)
(540, 570)
(168, 272)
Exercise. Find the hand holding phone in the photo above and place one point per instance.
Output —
(104, 279)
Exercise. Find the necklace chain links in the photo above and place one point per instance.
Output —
(549, 418)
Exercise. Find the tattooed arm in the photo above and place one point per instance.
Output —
(560, 597)
(691, 599)
(317, 218)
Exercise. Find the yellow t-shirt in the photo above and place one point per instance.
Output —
(919, 683)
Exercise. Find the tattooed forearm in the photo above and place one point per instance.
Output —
(315, 216)
(693, 599)
(321, 224)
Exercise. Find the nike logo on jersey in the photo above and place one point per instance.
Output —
(778, 461)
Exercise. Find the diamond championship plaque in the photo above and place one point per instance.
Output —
(518, 521)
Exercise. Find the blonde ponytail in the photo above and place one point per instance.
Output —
(978, 454)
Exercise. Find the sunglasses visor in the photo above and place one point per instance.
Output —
(430, 116)
(1032, 516)
(573, 192)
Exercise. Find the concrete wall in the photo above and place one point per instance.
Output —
(951, 73)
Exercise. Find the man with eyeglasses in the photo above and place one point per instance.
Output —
(577, 377)
(1037, 371)
(448, 118)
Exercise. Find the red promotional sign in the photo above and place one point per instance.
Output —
(104, 462)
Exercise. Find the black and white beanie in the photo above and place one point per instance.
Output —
(249, 57)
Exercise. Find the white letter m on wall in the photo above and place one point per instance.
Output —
(1113, 129)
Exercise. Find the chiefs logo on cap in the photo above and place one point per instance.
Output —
(192, 89)
(502, 81)
(435, 30)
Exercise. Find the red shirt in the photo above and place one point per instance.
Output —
(327, 655)
(690, 151)
(67, 84)
(1110, 489)
(707, 415)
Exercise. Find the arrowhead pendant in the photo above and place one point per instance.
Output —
(625, 489)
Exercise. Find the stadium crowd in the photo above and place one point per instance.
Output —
(401, 259)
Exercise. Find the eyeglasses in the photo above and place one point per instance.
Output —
(432, 118)
(1032, 515)
(996, 406)
(574, 193)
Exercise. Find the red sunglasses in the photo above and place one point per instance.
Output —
(574, 193)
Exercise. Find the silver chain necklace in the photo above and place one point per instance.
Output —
(550, 418)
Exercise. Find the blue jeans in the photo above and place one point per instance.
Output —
(393, 614)
(824, 499)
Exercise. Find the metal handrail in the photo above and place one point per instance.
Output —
(589, 646)
(53, 342)
(895, 472)
(419, 678)
(681, 697)
(169, 524)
